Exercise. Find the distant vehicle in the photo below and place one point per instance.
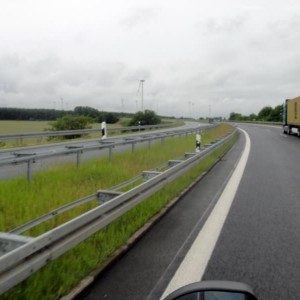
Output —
(291, 116)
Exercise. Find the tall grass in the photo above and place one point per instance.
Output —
(21, 201)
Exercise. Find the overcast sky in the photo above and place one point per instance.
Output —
(195, 56)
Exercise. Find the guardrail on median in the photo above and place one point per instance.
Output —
(29, 157)
(53, 133)
(257, 122)
(21, 256)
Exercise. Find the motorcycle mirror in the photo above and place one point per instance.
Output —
(213, 290)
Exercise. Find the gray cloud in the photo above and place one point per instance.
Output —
(139, 16)
(225, 55)
(215, 26)
(47, 80)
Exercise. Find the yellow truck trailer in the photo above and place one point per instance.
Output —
(291, 116)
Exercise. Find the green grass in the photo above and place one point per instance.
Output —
(17, 127)
(21, 201)
(22, 126)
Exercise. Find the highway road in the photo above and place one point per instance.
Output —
(259, 241)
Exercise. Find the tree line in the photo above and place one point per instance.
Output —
(27, 114)
(84, 120)
(266, 114)
(80, 118)
(147, 117)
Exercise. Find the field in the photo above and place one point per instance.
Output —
(22, 201)
(16, 127)
(22, 126)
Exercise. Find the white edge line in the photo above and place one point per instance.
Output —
(193, 266)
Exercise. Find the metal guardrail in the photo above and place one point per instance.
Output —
(29, 157)
(54, 133)
(21, 256)
(256, 122)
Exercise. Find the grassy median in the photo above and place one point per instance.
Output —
(21, 201)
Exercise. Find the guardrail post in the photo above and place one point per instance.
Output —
(29, 169)
(132, 147)
(110, 153)
(78, 158)
(149, 144)
(162, 140)
(105, 196)
(149, 174)
(9, 242)
(172, 163)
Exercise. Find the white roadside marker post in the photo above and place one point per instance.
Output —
(103, 130)
(198, 142)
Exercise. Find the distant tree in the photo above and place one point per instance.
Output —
(265, 114)
(276, 115)
(110, 118)
(235, 116)
(137, 119)
(9, 113)
(70, 122)
(87, 111)
(148, 117)
(252, 117)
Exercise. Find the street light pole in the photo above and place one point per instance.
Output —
(142, 93)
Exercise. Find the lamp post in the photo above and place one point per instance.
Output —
(142, 93)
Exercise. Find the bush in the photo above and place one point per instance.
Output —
(110, 118)
(148, 117)
(70, 122)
